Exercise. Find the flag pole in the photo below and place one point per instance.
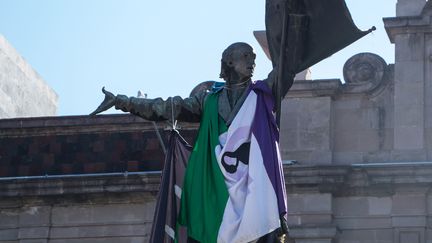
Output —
(281, 64)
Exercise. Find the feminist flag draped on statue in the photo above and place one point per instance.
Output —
(231, 170)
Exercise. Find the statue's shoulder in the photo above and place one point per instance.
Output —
(217, 87)
(207, 87)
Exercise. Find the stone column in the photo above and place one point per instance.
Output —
(409, 33)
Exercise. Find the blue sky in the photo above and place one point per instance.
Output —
(163, 48)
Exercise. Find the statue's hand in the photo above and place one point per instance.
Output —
(107, 103)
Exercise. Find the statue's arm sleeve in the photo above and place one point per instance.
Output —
(284, 86)
(187, 109)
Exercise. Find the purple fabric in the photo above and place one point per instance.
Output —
(266, 132)
(168, 204)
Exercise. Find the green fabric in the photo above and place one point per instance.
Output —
(204, 194)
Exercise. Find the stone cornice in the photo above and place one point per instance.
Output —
(64, 125)
(80, 184)
(313, 88)
(344, 180)
(407, 25)
(358, 179)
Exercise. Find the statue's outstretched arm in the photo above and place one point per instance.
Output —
(107, 103)
(187, 109)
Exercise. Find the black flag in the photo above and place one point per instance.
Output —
(317, 28)
(168, 202)
(300, 33)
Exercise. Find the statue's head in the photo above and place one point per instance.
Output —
(238, 62)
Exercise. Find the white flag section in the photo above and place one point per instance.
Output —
(252, 207)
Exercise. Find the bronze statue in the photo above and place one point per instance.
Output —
(237, 67)
(299, 34)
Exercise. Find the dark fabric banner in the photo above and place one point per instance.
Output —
(315, 29)
(168, 202)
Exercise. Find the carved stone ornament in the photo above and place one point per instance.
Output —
(364, 68)
(365, 73)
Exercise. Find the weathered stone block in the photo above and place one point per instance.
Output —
(350, 206)
(409, 114)
(36, 215)
(8, 218)
(347, 103)
(408, 137)
(308, 203)
(314, 157)
(409, 82)
(33, 232)
(363, 236)
(9, 234)
(102, 214)
(409, 47)
(363, 223)
(316, 219)
(379, 205)
(95, 231)
(379, 156)
(290, 119)
(409, 235)
(306, 129)
(314, 241)
(103, 240)
(34, 241)
(290, 140)
(409, 204)
(319, 234)
(314, 138)
(409, 221)
(346, 158)
(357, 140)
(357, 119)
(408, 155)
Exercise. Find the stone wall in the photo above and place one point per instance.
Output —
(23, 93)
(82, 145)
(360, 203)
(330, 122)
(80, 178)
(111, 209)
(363, 146)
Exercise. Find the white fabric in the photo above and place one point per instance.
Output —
(251, 210)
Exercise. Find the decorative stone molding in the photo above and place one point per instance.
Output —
(366, 73)
(63, 185)
(409, 24)
(314, 88)
(381, 179)
(69, 125)
(363, 72)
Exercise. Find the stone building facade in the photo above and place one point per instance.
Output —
(363, 149)
(23, 93)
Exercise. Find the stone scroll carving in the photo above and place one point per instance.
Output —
(364, 72)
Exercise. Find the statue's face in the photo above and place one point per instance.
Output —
(243, 62)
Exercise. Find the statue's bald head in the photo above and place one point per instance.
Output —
(227, 57)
